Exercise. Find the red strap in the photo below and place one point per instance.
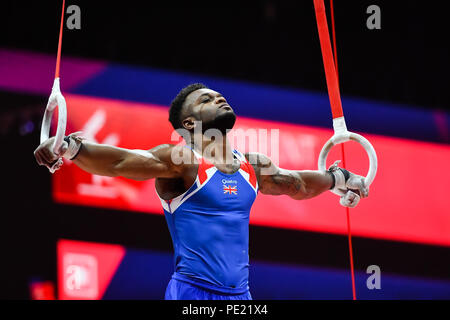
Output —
(58, 57)
(327, 54)
(334, 40)
(331, 73)
(350, 246)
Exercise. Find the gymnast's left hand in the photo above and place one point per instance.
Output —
(352, 185)
(356, 189)
(356, 184)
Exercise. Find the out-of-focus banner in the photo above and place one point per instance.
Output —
(408, 199)
(32, 72)
(85, 269)
(94, 271)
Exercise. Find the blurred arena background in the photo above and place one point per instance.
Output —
(75, 236)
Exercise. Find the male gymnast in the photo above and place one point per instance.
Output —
(207, 196)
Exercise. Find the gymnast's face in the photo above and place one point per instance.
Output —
(209, 107)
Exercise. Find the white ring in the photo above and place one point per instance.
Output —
(344, 137)
(56, 100)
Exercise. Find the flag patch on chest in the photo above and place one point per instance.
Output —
(230, 189)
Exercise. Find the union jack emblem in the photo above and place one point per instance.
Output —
(229, 189)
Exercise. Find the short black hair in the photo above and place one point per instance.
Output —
(177, 103)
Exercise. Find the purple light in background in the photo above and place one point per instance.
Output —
(33, 72)
(440, 118)
(26, 128)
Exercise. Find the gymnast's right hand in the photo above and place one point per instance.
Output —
(46, 157)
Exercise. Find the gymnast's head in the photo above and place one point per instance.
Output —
(195, 103)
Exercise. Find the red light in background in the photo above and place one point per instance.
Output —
(80, 278)
(407, 201)
(85, 269)
(42, 290)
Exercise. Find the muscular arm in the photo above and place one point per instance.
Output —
(299, 185)
(106, 160)
(112, 161)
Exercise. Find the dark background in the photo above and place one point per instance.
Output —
(265, 42)
(272, 42)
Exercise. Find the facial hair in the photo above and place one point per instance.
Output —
(222, 122)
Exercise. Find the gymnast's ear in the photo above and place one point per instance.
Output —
(188, 123)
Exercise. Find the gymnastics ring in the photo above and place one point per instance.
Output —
(341, 135)
(56, 100)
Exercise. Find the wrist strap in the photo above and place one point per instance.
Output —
(79, 149)
(346, 173)
(74, 147)
(340, 176)
(334, 179)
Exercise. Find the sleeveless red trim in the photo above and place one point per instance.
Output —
(202, 167)
(247, 167)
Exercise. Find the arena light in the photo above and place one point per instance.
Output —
(397, 211)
